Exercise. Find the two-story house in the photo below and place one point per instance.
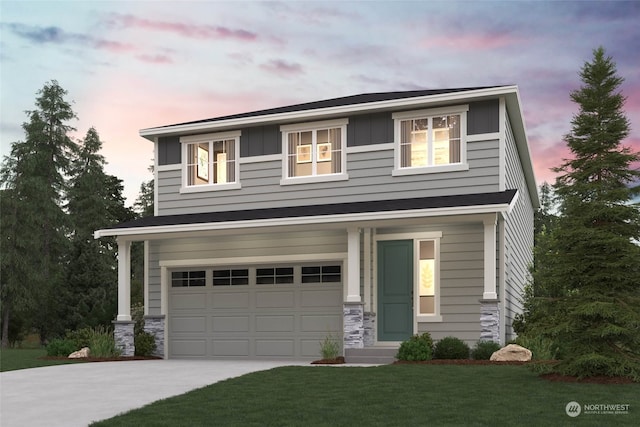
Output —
(370, 218)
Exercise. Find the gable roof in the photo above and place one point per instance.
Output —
(335, 212)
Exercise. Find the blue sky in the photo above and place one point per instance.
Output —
(129, 65)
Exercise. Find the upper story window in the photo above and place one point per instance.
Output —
(430, 140)
(211, 161)
(314, 151)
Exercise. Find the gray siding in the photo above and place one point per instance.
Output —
(363, 129)
(369, 179)
(251, 245)
(518, 235)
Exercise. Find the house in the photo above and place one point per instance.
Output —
(369, 217)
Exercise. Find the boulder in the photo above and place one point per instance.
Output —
(83, 352)
(511, 353)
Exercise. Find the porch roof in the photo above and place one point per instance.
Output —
(334, 212)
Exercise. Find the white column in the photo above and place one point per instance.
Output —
(124, 280)
(353, 265)
(367, 270)
(490, 258)
(145, 272)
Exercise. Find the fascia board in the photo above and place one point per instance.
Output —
(149, 133)
(307, 220)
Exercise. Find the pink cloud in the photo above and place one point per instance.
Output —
(155, 59)
(466, 42)
(279, 66)
(183, 29)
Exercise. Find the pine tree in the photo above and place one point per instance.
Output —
(34, 248)
(95, 201)
(594, 270)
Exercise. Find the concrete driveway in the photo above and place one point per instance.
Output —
(78, 394)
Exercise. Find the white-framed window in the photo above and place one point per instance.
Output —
(210, 162)
(314, 152)
(431, 140)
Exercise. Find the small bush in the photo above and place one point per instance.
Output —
(416, 348)
(81, 337)
(451, 348)
(145, 344)
(541, 348)
(102, 343)
(61, 347)
(484, 349)
(329, 347)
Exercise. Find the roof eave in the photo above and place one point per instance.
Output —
(207, 126)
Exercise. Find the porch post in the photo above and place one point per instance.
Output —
(490, 259)
(352, 309)
(353, 265)
(124, 280)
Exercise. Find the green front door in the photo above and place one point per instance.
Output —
(395, 290)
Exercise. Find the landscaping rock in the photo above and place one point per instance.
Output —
(511, 353)
(82, 353)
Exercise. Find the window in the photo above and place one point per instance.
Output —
(314, 151)
(180, 279)
(274, 275)
(230, 277)
(211, 161)
(430, 140)
(427, 277)
(321, 274)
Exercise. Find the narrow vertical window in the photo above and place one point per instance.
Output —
(427, 277)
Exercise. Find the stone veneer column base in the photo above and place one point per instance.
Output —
(353, 316)
(490, 321)
(123, 336)
(154, 325)
(369, 329)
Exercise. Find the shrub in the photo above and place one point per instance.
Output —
(451, 348)
(541, 348)
(102, 343)
(416, 348)
(81, 337)
(61, 347)
(484, 349)
(329, 347)
(145, 344)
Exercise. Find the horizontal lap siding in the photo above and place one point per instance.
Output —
(369, 179)
(518, 236)
(255, 245)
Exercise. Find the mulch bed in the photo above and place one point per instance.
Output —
(337, 361)
(457, 362)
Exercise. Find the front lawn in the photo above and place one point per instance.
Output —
(20, 358)
(391, 395)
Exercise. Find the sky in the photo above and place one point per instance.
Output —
(130, 65)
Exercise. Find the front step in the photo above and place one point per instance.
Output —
(375, 355)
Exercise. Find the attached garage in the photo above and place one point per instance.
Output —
(261, 311)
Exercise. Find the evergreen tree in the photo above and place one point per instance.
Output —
(34, 247)
(594, 270)
(95, 201)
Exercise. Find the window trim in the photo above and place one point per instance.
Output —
(210, 138)
(314, 127)
(430, 113)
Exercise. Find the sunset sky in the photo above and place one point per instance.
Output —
(129, 65)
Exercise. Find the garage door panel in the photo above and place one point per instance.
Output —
(229, 300)
(321, 298)
(320, 323)
(191, 324)
(230, 323)
(309, 348)
(266, 323)
(188, 348)
(274, 299)
(224, 347)
(274, 347)
(190, 301)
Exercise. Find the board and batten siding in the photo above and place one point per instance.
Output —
(461, 279)
(519, 235)
(370, 178)
(242, 246)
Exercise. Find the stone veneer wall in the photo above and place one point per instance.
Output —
(123, 336)
(369, 329)
(490, 321)
(353, 315)
(154, 325)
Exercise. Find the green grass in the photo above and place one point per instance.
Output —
(392, 395)
(19, 358)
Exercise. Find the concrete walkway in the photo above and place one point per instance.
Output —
(78, 394)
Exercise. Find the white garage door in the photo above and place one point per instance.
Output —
(278, 311)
